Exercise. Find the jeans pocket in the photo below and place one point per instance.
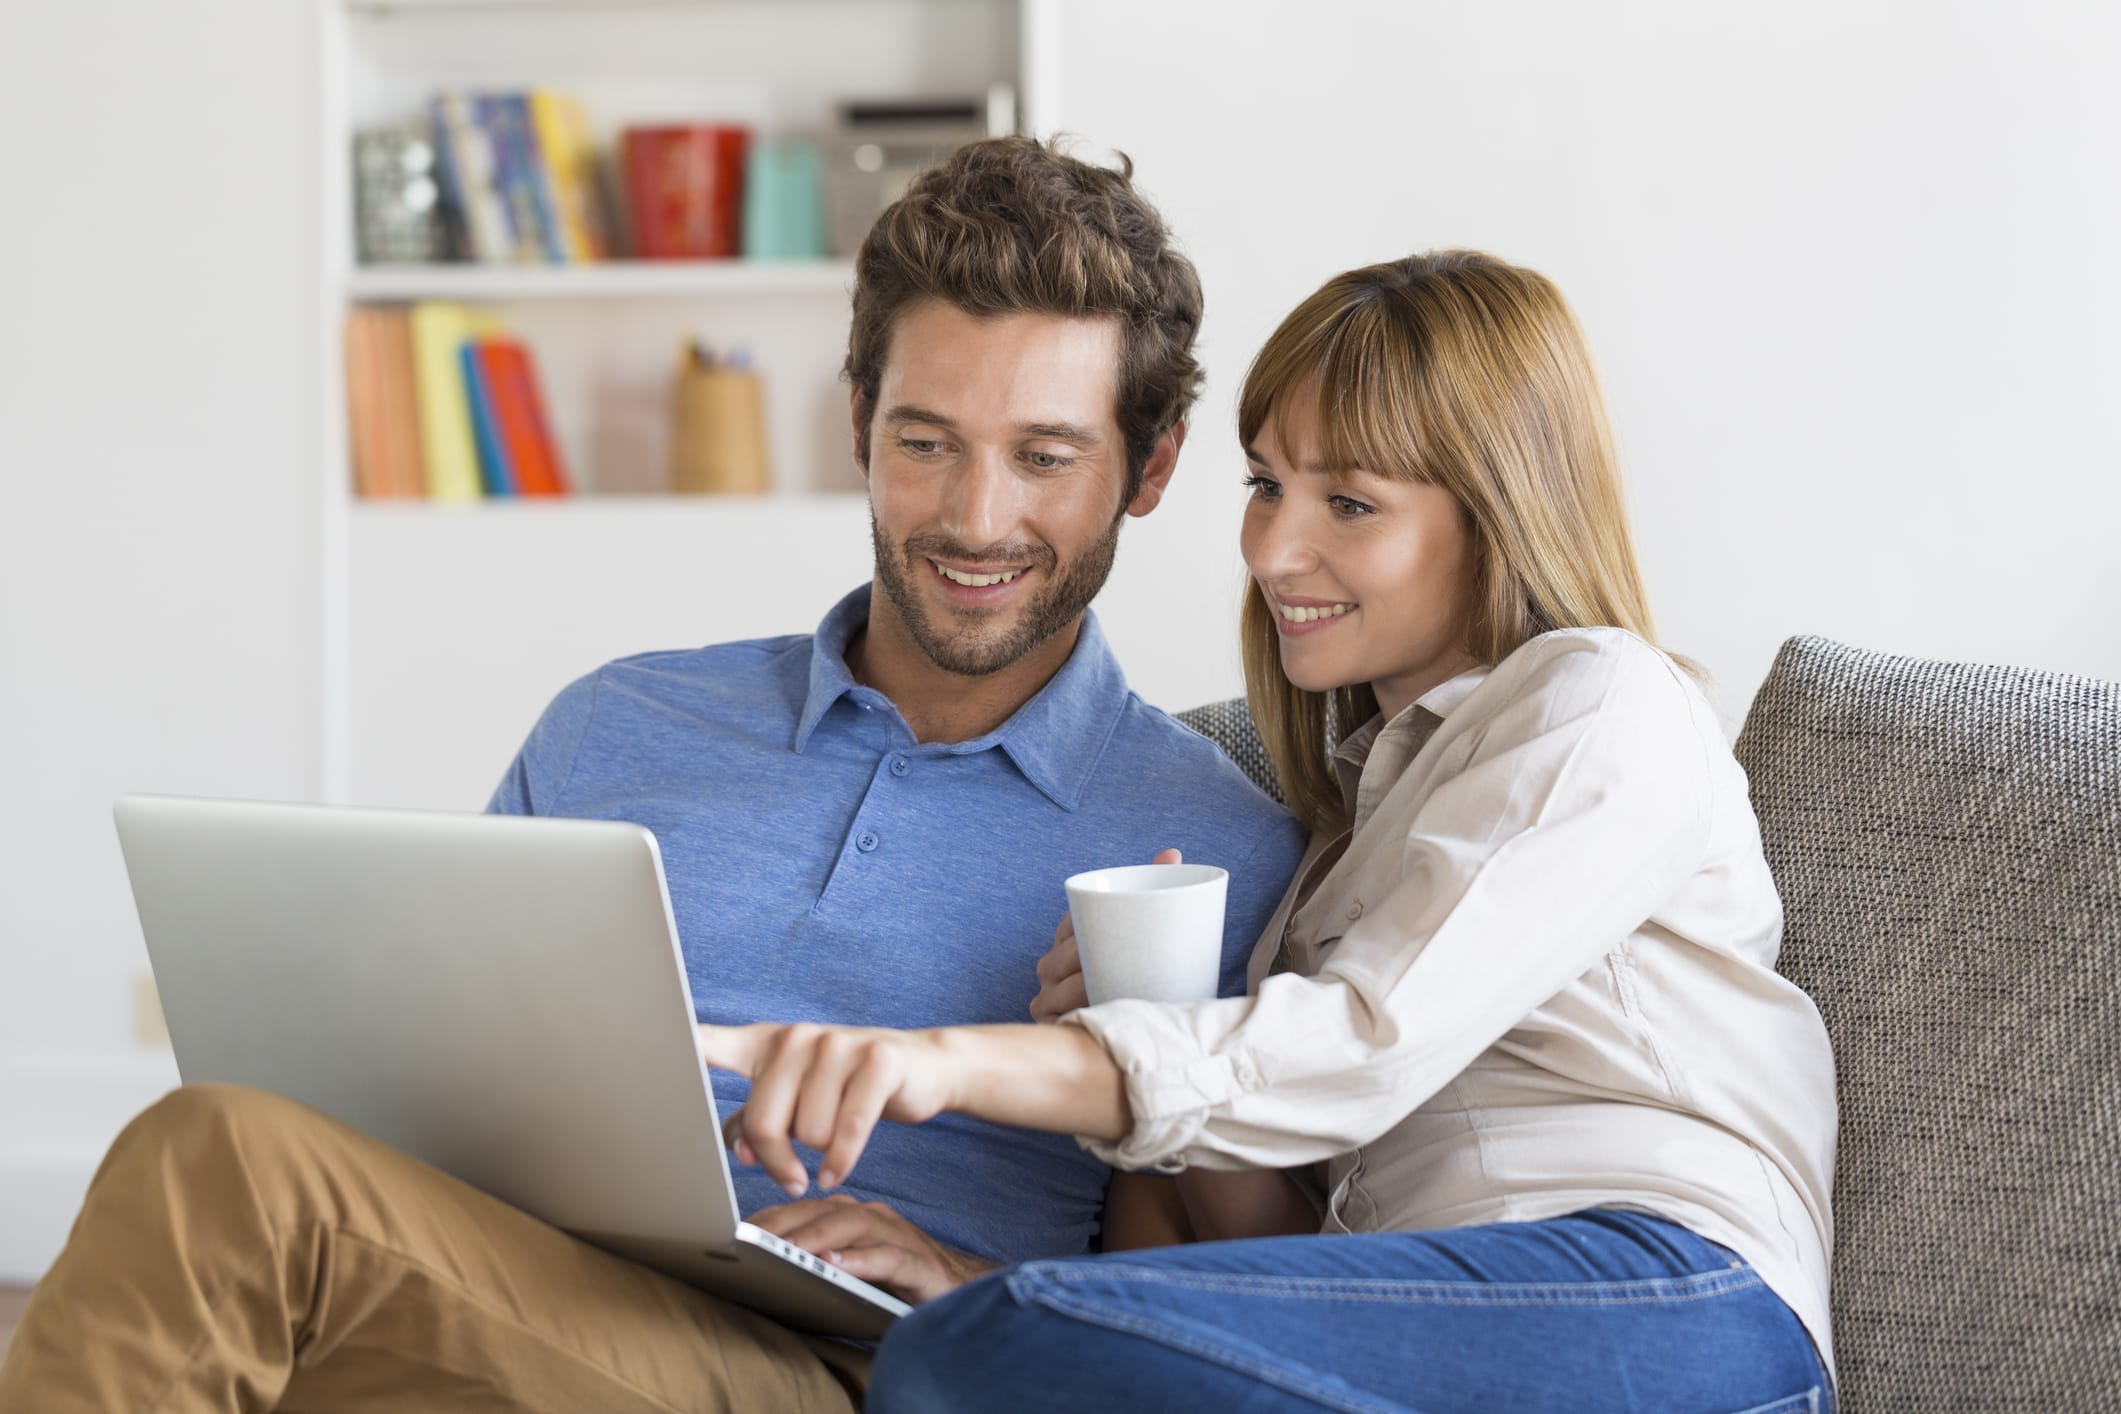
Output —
(1809, 1402)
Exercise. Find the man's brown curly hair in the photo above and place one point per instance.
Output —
(1012, 225)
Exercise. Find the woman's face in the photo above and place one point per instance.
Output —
(1370, 578)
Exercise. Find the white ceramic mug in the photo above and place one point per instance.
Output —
(1150, 931)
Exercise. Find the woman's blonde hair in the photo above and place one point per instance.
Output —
(1455, 369)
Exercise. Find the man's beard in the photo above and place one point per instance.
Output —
(969, 652)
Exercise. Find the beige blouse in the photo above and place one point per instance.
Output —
(1538, 975)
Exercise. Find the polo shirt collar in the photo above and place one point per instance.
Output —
(1056, 739)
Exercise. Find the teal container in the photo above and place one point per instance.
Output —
(784, 201)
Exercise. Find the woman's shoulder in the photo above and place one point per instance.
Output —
(1600, 661)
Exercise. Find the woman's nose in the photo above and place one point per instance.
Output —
(1275, 545)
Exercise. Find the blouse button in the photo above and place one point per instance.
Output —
(1355, 910)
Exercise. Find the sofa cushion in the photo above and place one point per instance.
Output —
(1947, 841)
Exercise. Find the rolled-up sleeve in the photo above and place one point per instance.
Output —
(1584, 803)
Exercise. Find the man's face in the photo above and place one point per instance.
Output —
(995, 472)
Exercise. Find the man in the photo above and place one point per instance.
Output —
(869, 824)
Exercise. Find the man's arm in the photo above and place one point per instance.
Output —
(872, 1241)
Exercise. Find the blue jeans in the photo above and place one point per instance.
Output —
(1599, 1310)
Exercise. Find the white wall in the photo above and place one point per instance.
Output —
(1848, 267)
(156, 619)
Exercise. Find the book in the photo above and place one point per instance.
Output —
(364, 407)
(469, 177)
(511, 383)
(439, 331)
(495, 475)
(527, 186)
(568, 156)
(400, 402)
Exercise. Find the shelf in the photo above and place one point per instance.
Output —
(613, 279)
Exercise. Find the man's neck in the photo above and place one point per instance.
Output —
(942, 706)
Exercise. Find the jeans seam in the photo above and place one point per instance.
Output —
(1346, 1400)
(1638, 1292)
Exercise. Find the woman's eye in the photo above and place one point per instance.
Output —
(1348, 508)
(1265, 488)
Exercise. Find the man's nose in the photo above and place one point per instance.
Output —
(983, 503)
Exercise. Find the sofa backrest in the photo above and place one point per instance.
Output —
(1947, 841)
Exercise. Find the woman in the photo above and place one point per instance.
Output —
(1515, 1037)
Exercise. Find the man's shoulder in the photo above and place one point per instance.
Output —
(1155, 749)
(738, 669)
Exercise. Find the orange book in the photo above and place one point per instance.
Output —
(526, 436)
(364, 403)
(401, 405)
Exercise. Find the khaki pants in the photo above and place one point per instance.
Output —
(238, 1251)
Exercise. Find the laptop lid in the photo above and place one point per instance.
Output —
(455, 985)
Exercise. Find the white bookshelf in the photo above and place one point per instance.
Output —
(444, 629)
(605, 280)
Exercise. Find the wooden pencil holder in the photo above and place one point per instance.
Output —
(718, 445)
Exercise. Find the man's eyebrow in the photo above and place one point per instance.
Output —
(904, 413)
(1063, 432)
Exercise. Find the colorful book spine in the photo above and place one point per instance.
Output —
(472, 174)
(511, 384)
(439, 331)
(400, 402)
(495, 475)
(569, 161)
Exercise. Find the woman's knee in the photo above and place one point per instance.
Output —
(945, 1355)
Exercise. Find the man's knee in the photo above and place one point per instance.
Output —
(203, 1129)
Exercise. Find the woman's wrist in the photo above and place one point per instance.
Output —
(1053, 1078)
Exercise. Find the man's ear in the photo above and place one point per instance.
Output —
(1156, 476)
(861, 432)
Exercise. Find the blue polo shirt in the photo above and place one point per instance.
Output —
(826, 866)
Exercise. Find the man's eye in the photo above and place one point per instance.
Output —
(1048, 461)
(1266, 488)
(920, 446)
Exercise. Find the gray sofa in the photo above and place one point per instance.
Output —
(1947, 840)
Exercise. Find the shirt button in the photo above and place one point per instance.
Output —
(899, 766)
(1355, 910)
(865, 842)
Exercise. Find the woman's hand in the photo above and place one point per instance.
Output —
(825, 1086)
(1060, 971)
(874, 1242)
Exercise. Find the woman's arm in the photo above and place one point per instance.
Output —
(827, 1086)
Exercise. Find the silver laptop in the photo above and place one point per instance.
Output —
(501, 997)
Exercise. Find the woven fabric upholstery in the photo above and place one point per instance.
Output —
(1947, 842)
(1229, 725)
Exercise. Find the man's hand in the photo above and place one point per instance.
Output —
(1060, 971)
(871, 1241)
(825, 1086)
